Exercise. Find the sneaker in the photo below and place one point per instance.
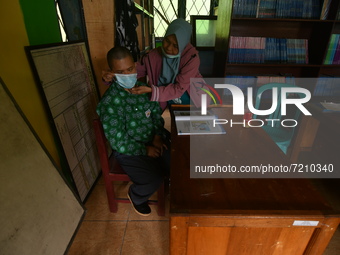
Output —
(142, 209)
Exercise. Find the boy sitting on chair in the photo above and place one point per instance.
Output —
(135, 130)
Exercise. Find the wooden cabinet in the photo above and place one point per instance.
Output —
(316, 31)
(246, 233)
(257, 216)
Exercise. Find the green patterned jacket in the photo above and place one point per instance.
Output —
(130, 121)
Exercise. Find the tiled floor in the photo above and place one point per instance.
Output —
(330, 190)
(121, 233)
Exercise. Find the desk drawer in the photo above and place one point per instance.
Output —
(256, 235)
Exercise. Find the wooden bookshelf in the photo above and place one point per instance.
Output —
(317, 31)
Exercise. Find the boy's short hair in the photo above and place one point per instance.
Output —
(117, 52)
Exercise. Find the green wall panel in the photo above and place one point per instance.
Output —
(41, 21)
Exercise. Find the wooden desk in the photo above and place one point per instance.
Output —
(244, 216)
(318, 133)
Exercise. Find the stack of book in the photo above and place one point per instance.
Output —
(246, 49)
(333, 51)
(306, 9)
(327, 86)
(245, 8)
(261, 80)
(243, 82)
(267, 50)
(297, 51)
(266, 9)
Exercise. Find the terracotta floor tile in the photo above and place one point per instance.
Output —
(100, 181)
(98, 208)
(334, 246)
(146, 238)
(99, 238)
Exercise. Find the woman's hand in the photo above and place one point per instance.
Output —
(107, 76)
(141, 90)
(159, 144)
(153, 152)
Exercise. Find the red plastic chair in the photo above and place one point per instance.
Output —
(112, 171)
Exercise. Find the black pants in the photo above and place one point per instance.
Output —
(146, 173)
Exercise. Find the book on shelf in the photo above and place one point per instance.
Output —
(306, 9)
(262, 80)
(266, 9)
(291, 9)
(246, 49)
(325, 9)
(241, 81)
(244, 81)
(336, 59)
(338, 15)
(333, 54)
(267, 50)
(327, 86)
(194, 123)
(314, 10)
(297, 51)
(244, 8)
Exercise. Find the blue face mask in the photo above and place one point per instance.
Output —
(170, 56)
(126, 81)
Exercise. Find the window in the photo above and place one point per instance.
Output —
(166, 10)
(61, 23)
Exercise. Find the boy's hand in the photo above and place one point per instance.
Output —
(107, 76)
(153, 152)
(141, 90)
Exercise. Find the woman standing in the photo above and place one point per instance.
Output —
(170, 67)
